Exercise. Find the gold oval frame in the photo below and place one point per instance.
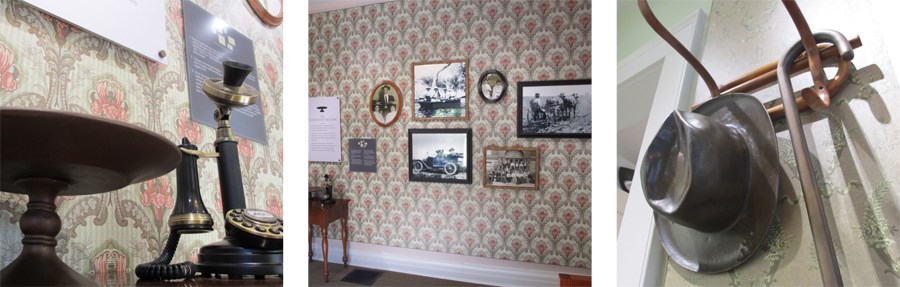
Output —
(399, 102)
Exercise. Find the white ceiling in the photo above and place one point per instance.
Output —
(317, 6)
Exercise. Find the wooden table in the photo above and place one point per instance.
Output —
(570, 280)
(322, 215)
(50, 153)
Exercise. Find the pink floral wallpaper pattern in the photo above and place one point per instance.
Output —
(352, 50)
(46, 63)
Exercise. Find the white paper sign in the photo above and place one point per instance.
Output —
(325, 129)
(138, 25)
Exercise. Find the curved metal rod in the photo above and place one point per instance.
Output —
(810, 99)
(828, 267)
(812, 52)
(669, 38)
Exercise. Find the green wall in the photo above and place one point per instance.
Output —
(632, 31)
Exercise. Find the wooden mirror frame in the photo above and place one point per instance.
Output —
(399, 102)
(264, 15)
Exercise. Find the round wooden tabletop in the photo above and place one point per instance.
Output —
(92, 154)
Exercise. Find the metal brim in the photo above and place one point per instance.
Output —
(724, 250)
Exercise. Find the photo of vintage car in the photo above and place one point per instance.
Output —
(440, 155)
(448, 163)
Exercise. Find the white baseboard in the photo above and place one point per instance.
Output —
(447, 266)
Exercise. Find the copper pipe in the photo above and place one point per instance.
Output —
(765, 76)
(812, 53)
(669, 38)
(834, 87)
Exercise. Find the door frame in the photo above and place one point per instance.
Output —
(641, 260)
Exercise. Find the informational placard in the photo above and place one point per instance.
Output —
(209, 41)
(137, 25)
(325, 129)
(362, 155)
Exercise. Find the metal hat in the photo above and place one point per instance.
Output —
(711, 178)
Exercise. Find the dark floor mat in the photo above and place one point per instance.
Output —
(362, 276)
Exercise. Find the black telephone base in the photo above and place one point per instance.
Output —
(227, 258)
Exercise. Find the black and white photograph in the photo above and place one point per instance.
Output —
(385, 103)
(511, 168)
(439, 90)
(554, 109)
(440, 155)
(492, 85)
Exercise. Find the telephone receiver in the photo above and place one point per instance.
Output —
(250, 228)
(253, 240)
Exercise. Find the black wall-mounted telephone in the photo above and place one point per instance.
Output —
(253, 241)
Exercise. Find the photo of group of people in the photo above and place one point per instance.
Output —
(511, 167)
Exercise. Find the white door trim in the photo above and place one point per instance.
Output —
(640, 258)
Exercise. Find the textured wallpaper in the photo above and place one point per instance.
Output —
(352, 50)
(48, 64)
(853, 145)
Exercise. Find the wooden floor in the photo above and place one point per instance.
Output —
(387, 279)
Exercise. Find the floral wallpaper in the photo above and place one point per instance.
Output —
(354, 49)
(46, 63)
(853, 145)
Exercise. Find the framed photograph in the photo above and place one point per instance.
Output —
(439, 90)
(440, 155)
(492, 85)
(385, 103)
(554, 109)
(511, 168)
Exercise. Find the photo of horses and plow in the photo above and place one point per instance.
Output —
(555, 109)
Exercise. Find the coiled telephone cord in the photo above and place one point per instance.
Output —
(160, 269)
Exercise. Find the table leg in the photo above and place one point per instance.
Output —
(344, 238)
(310, 242)
(325, 250)
(40, 224)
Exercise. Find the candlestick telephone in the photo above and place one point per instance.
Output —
(253, 241)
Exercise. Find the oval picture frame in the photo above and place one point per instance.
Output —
(262, 10)
(388, 109)
(482, 82)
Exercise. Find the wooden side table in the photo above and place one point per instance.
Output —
(50, 153)
(322, 215)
